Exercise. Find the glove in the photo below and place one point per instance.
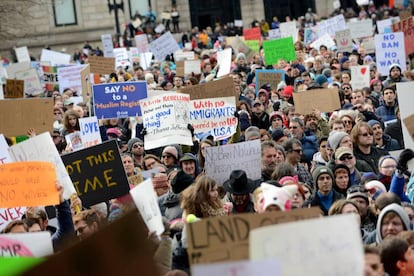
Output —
(236, 114)
(405, 156)
(144, 131)
(276, 106)
(190, 128)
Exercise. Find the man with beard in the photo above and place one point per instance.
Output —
(316, 124)
(308, 140)
(394, 76)
(382, 140)
(136, 148)
(272, 155)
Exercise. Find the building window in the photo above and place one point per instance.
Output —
(64, 12)
(139, 6)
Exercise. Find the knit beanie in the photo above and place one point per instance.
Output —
(318, 172)
(172, 151)
(132, 141)
(335, 138)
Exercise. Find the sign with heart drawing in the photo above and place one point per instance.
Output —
(360, 76)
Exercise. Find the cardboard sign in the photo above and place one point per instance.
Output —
(360, 76)
(360, 28)
(214, 116)
(4, 153)
(32, 84)
(141, 42)
(405, 14)
(14, 89)
(119, 100)
(407, 27)
(13, 68)
(28, 184)
(179, 68)
(13, 125)
(273, 77)
(222, 160)
(332, 239)
(102, 65)
(42, 148)
(279, 49)
(86, 82)
(146, 201)
(405, 100)
(163, 46)
(54, 58)
(390, 49)
(34, 244)
(239, 46)
(239, 268)
(183, 55)
(409, 124)
(344, 40)
(70, 77)
(132, 252)
(97, 173)
(89, 130)
(222, 239)
(51, 78)
(135, 179)
(224, 62)
(252, 34)
(22, 54)
(219, 88)
(369, 45)
(192, 66)
(8, 215)
(166, 119)
(108, 45)
(326, 100)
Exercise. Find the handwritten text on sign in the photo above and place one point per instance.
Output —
(28, 184)
(8, 215)
(166, 119)
(90, 131)
(215, 116)
(222, 160)
(390, 50)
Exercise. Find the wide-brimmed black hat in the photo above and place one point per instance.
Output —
(238, 183)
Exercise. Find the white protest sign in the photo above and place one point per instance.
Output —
(405, 103)
(55, 58)
(369, 45)
(166, 119)
(323, 40)
(183, 55)
(42, 148)
(141, 42)
(32, 84)
(145, 60)
(224, 61)
(384, 26)
(133, 54)
(192, 66)
(33, 244)
(4, 153)
(360, 76)
(108, 45)
(329, 239)
(222, 160)
(330, 26)
(90, 133)
(390, 49)
(344, 40)
(239, 268)
(214, 116)
(22, 54)
(360, 28)
(146, 201)
(238, 23)
(274, 34)
(70, 77)
(3, 75)
(188, 46)
(8, 215)
(289, 29)
(121, 57)
(163, 46)
(74, 141)
(13, 68)
(159, 28)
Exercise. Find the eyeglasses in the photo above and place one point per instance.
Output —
(389, 167)
(137, 146)
(347, 122)
(57, 113)
(346, 157)
(167, 156)
(293, 127)
(366, 134)
(346, 87)
(55, 136)
(297, 150)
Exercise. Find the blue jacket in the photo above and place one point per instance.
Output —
(397, 187)
(65, 230)
(390, 144)
(309, 145)
(386, 113)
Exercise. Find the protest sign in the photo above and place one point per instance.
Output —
(253, 44)
(360, 28)
(97, 173)
(192, 66)
(4, 153)
(13, 68)
(70, 77)
(384, 26)
(214, 116)
(54, 58)
(407, 27)
(344, 40)
(405, 13)
(369, 45)
(3, 75)
(163, 46)
(13, 125)
(289, 29)
(183, 55)
(89, 129)
(22, 54)
(238, 22)
(33, 244)
(32, 84)
(330, 26)
(389, 50)
(28, 184)
(223, 87)
(108, 45)
(146, 201)
(74, 140)
(240, 47)
(332, 239)
(132, 252)
(279, 49)
(239, 268)
(14, 89)
(222, 160)
(323, 40)
(135, 179)
(42, 148)
(121, 57)
(166, 118)
(273, 77)
(133, 55)
(274, 34)
(16, 266)
(85, 74)
(8, 215)
(145, 60)
(179, 68)
(221, 239)
(51, 78)
(360, 76)
(409, 124)
(326, 100)
(309, 35)
(252, 34)
(141, 42)
(405, 100)
(1, 92)
(159, 28)
(224, 62)
(102, 65)
(119, 99)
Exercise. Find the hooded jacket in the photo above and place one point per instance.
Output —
(396, 209)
